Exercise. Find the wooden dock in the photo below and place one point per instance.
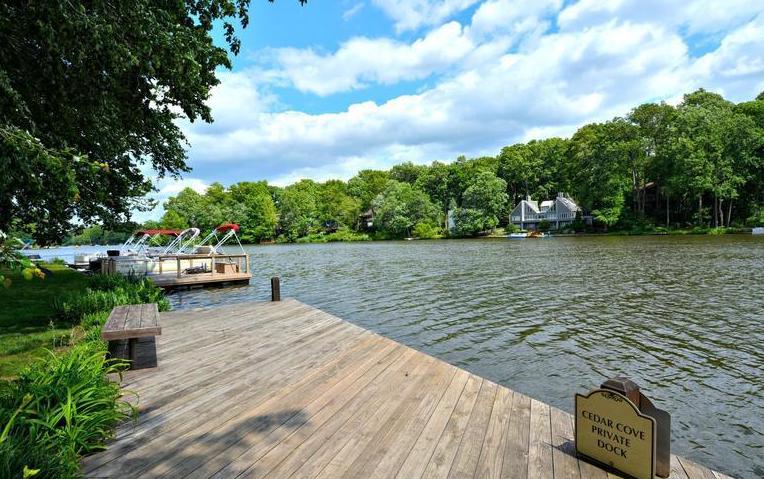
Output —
(173, 281)
(282, 389)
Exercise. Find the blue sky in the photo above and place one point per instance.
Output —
(324, 90)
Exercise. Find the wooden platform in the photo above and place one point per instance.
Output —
(172, 281)
(285, 390)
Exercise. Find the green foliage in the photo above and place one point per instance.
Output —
(468, 222)
(67, 404)
(578, 224)
(407, 172)
(252, 207)
(342, 234)
(336, 207)
(299, 210)
(367, 185)
(173, 220)
(104, 294)
(91, 92)
(544, 226)
(486, 194)
(97, 235)
(400, 207)
(425, 230)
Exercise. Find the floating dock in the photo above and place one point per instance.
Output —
(184, 271)
(173, 281)
(281, 389)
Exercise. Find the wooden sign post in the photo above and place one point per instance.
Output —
(615, 430)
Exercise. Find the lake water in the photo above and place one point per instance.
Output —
(681, 316)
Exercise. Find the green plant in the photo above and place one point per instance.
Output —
(426, 231)
(61, 408)
(67, 403)
(342, 234)
(110, 291)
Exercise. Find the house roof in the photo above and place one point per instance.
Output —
(570, 204)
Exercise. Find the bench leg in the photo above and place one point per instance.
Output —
(119, 349)
(143, 352)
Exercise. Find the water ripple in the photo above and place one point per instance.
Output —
(682, 317)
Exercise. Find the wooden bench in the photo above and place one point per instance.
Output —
(131, 331)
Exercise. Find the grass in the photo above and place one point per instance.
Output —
(28, 322)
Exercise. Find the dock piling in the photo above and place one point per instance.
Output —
(275, 289)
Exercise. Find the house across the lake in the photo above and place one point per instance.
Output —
(558, 212)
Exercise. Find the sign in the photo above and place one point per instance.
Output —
(611, 430)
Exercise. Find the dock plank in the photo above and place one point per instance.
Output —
(272, 390)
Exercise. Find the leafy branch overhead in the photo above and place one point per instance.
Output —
(89, 95)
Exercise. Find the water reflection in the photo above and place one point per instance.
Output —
(682, 316)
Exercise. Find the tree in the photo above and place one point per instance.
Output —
(299, 210)
(400, 207)
(654, 122)
(366, 185)
(596, 168)
(462, 171)
(336, 207)
(89, 96)
(251, 206)
(407, 172)
(520, 169)
(486, 195)
(172, 220)
(715, 148)
(434, 181)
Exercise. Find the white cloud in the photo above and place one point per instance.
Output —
(352, 11)
(567, 79)
(361, 60)
(412, 14)
(696, 16)
(496, 91)
(168, 187)
(236, 100)
(736, 68)
(518, 16)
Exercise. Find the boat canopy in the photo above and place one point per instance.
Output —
(138, 241)
(214, 242)
(227, 227)
(182, 241)
(158, 232)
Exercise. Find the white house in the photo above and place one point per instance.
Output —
(560, 211)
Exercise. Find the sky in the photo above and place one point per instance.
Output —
(324, 90)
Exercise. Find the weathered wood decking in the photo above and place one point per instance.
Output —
(285, 390)
(172, 281)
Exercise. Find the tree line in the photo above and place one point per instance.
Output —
(700, 163)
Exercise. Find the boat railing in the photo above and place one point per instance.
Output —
(177, 264)
(533, 217)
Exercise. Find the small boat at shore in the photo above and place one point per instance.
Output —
(529, 235)
(758, 231)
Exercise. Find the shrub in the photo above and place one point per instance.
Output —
(64, 406)
(109, 292)
(512, 228)
(426, 231)
(342, 234)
